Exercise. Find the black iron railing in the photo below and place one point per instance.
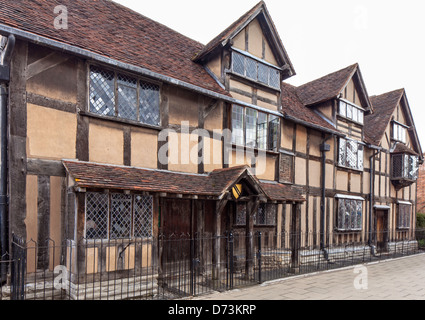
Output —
(176, 266)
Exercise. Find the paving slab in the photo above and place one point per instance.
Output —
(395, 279)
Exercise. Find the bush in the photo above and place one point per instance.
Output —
(420, 220)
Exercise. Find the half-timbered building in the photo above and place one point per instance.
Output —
(117, 130)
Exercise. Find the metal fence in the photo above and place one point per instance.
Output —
(179, 266)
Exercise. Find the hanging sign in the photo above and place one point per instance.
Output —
(237, 191)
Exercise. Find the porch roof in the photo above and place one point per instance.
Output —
(214, 185)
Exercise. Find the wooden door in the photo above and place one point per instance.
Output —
(176, 216)
(381, 230)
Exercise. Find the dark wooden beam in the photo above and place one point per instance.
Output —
(50, 61)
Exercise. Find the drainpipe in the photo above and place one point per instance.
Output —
(4, 94)
(323, 148)
(372, 192)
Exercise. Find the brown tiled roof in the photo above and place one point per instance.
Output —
(325, 88)
(116, 32)
(292, 106)
(280, 192)
(215, 184)
(402, 148)
(383, 106)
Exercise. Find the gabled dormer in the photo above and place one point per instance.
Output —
(340, 98)
(391, 127)
(249, 59)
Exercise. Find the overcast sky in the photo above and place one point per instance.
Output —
(387, 38)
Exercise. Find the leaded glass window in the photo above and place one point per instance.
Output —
(350, 154)
(127, 97)
(118, 95)
(349, 216)
(118, 216)
(405, 166)
(262, 131)
(403, 217)
(273, 134)
(102, 92)
(97, 215)
(240, 217)
(255, 70)
(266, 214)
(149, 104)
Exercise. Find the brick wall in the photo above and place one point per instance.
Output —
(421, 190)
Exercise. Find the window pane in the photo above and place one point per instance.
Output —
(360, 157)
(341, 214)
(361, 116)
(251, 127)
(358, 222)
(127, 97)
(352, 154)
(355, 114)
(102, 92)
(262, 131)
(251, 68)
(97, 211)
(260, 217)
(402, 134)
(143, 213)
(349, 111)
(120, 216)
(273, 132)
(149, 104)
(347, 216)
(274, 78)
(237, 125)
(412, 167)
(240, 214)
(342, 152)
(263, 73)
(397, 166)
(271, 210)
(343, 108)
(238, 63)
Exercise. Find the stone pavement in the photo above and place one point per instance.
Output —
(396, 279)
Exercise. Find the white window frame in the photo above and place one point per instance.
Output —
(266, 137)
(399, 132)
(350, 111)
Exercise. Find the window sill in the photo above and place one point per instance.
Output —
(341, 117)
(119, 120)
(403, 228)
(345, 231)
(340, 167)
(254, 150)
(114, 242)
